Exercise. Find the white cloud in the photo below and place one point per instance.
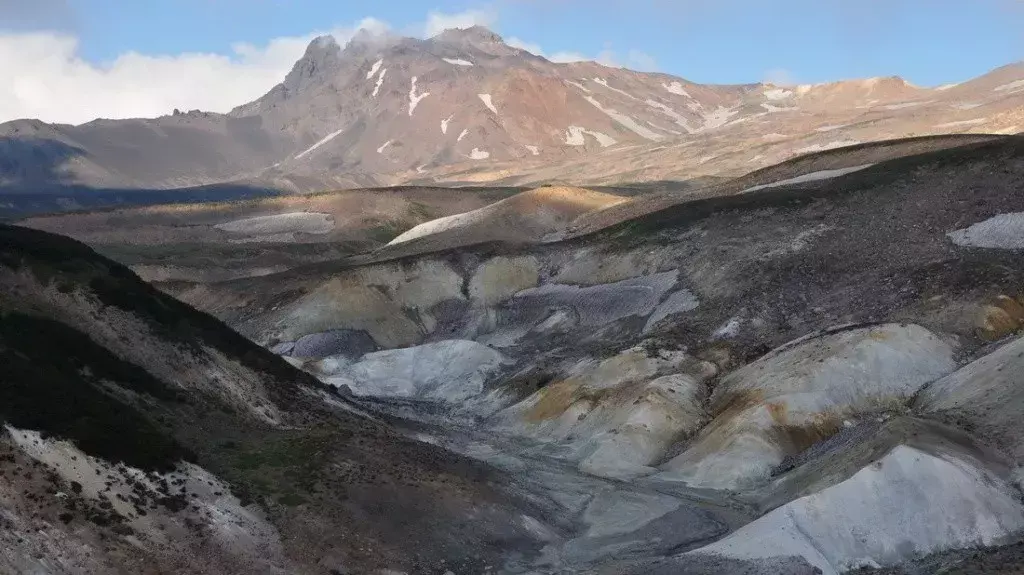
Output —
(641, 61)
(634, 59)
(780, 77)
(46, 78)
(438, 22)
(567, 57)
(524, 45)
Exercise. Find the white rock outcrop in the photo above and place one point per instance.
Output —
(907, 504)
(616, 417)
(448, 371)
(801, 393)
(1005, 231)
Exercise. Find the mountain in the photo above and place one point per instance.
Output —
(465, 107)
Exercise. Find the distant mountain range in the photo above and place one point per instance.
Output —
(464, 107)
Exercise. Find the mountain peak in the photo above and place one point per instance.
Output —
(473, 35)
(322, 47)
(321, 56)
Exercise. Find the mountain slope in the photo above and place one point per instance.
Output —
(140, 433)
(783, 377)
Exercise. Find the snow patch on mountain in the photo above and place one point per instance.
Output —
(962, 123)
(902, 105)
(777, 94)
(625, 121)
(718, 118)
(380, 80)
(677, 89)
(604, 83)
(326, 139)
(1011, 88)
(486, 99)
(457, 62)
(578, 85)
(671, 113)
(414, 98)
(812, 177)
(373, 70)
(826, 146)
(574, 136)
(773, 109)
(663, 129)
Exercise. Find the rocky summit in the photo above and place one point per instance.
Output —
(657, 327)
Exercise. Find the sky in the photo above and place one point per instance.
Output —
(70, 61)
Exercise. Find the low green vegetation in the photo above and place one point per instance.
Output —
(386, 230)
(279, 466)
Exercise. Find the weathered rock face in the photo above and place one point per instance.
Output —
(391, 304)
(796, 396)
(885, 514)
(1005, 231)
(446, 371)
(1000, 318)
(498, 279)
(617, 417)
(985, 396)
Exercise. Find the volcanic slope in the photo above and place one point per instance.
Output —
(140, 434)
(218, 241)
(527, 217)
(730, 383)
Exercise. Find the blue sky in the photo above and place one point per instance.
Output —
(929, 42)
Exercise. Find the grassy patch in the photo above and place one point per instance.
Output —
(421, 211)
(280, 466)
(386, 230)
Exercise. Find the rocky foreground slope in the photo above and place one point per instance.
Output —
(816, 374)
(140, 435)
